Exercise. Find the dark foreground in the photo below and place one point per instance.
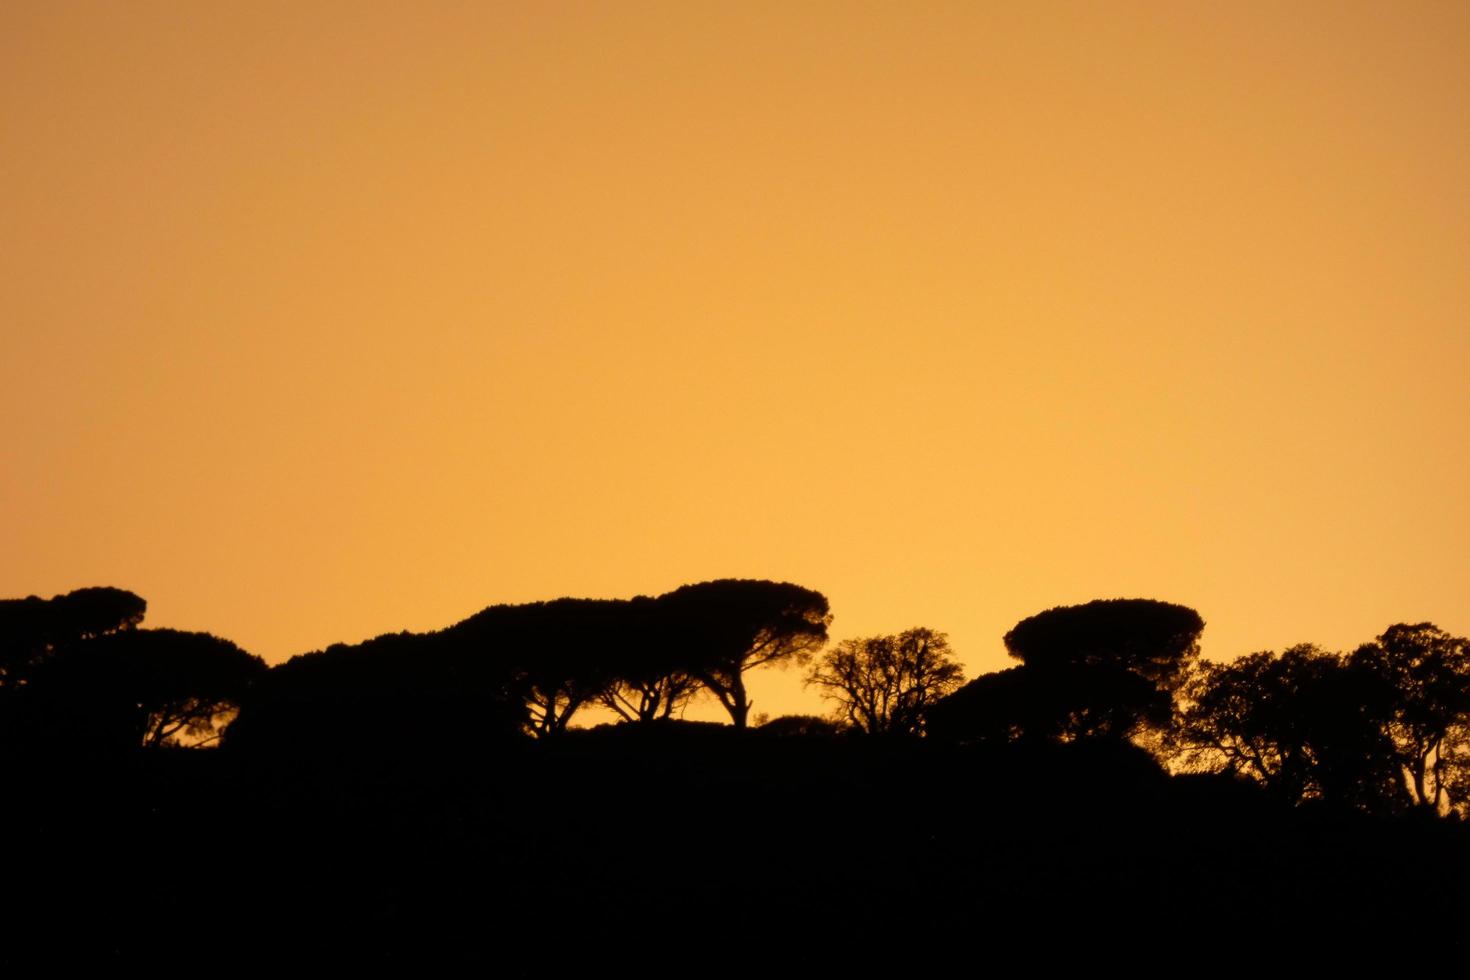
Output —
(703, 852)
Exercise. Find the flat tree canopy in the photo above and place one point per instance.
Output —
(562, 654)
(1102, 670)
(143, 687)
(1153, 639)
(393, 694)
(730, 626)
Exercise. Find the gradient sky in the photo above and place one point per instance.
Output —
(323, 320)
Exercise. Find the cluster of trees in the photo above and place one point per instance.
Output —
(531, 668)
(78, 669)
(1107, 669)
(1385, 728)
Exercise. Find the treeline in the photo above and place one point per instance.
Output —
(67, 662)
(424, 797)
(78, 673)
(1384, 729)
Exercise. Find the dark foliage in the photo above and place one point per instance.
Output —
(732, 626)
(560, 655)
(1050, 704)
(1155, 640)
(33, 628)
(885, 685)
(1426, 674)
(139, 687)
(655, 676)
(801, 726)
(1107, 669)
(396, 695)
(380, 806)
(78, 674)
(1307, 723)
(532, 667)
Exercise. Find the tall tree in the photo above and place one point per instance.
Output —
(886, 684)
(1428, 673)
(731, 626)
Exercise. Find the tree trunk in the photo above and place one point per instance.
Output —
(739, 706)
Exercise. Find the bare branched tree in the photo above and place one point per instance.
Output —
(885, 684)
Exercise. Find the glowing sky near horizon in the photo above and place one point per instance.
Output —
(319, 321)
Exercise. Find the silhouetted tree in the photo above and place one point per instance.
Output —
(1155, 640)
(144, 687)
(886, 684)
(1105, 669)
(1308, 724)
(564, 654)
(1049, 705)
(731, 626)
(1108, 667)
(650, 696)
(34, 633)
(1427, 672)
(399, 694)
(189, 683)
(652, 676)
(33, 628)
(643, 657)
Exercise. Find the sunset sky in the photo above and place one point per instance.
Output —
(319, 321)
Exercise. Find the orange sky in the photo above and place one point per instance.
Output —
(319, 323)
